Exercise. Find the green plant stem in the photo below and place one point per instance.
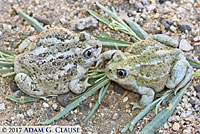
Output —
(31, 20)
(8, 74)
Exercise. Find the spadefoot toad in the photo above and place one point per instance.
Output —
(148, 66)
(54, 62)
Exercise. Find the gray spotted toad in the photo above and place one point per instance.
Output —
(54, 62)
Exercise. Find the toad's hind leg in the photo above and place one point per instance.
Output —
(27, 85)
(180, 75)
(164, 39)
(147, 97)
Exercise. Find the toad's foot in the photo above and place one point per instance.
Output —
(105, 56)
(136, 105)
(78, 86)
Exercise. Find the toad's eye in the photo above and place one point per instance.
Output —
(121, 73)
(87, 53)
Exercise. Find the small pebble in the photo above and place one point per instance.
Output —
(165, 24)
(125, 99)
(30, 112)
(115, 116)
(192, 102)
(162, 1)
(165, 103)
(187, 130)
(151, 7)
(63, 99)
(14, 87)
(166, 126)
(77, 122)
(138, 5)
(145, 2)
(69, 117)
(176, 126)
(43, 20)
(190, 118)
(55, 106)
(131, 1)
(118, 89)
(2, 106)
(198, 18)
(184, 27)
(173, 28)
(48, 112)
(185, 45)
(18, 94)
(197, 88)
(84, 107)
(45, 105)
(63, 21)
(21, 116)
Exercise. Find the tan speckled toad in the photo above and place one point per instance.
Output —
(54, 62)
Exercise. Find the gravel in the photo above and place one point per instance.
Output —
(84, 23)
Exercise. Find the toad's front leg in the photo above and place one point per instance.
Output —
(106, 56)
(78, 86)
(147, 97)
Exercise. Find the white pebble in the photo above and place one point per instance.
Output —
(125, 99)
(20, 116)
(55, 106)
(30, 112)
(45, 104)
(185, 45)
(2, 106)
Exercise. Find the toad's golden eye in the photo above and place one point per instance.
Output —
(121, 73)
(87, 53)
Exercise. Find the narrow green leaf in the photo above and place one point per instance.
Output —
(74, 104)
(193, 63)
(107, 11)
(137, 29)
(196, 74)
(6, 64)
(97, 70)
(9, 53)
(6, 59)
(31, 20)
(6, 70)
(102, 92)
(158, 104)
(107, 39)
(96, 76)
(99, 17)
(163, 116)
(23, 37)
(112, 43)
(8, 74)
(25, 100)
